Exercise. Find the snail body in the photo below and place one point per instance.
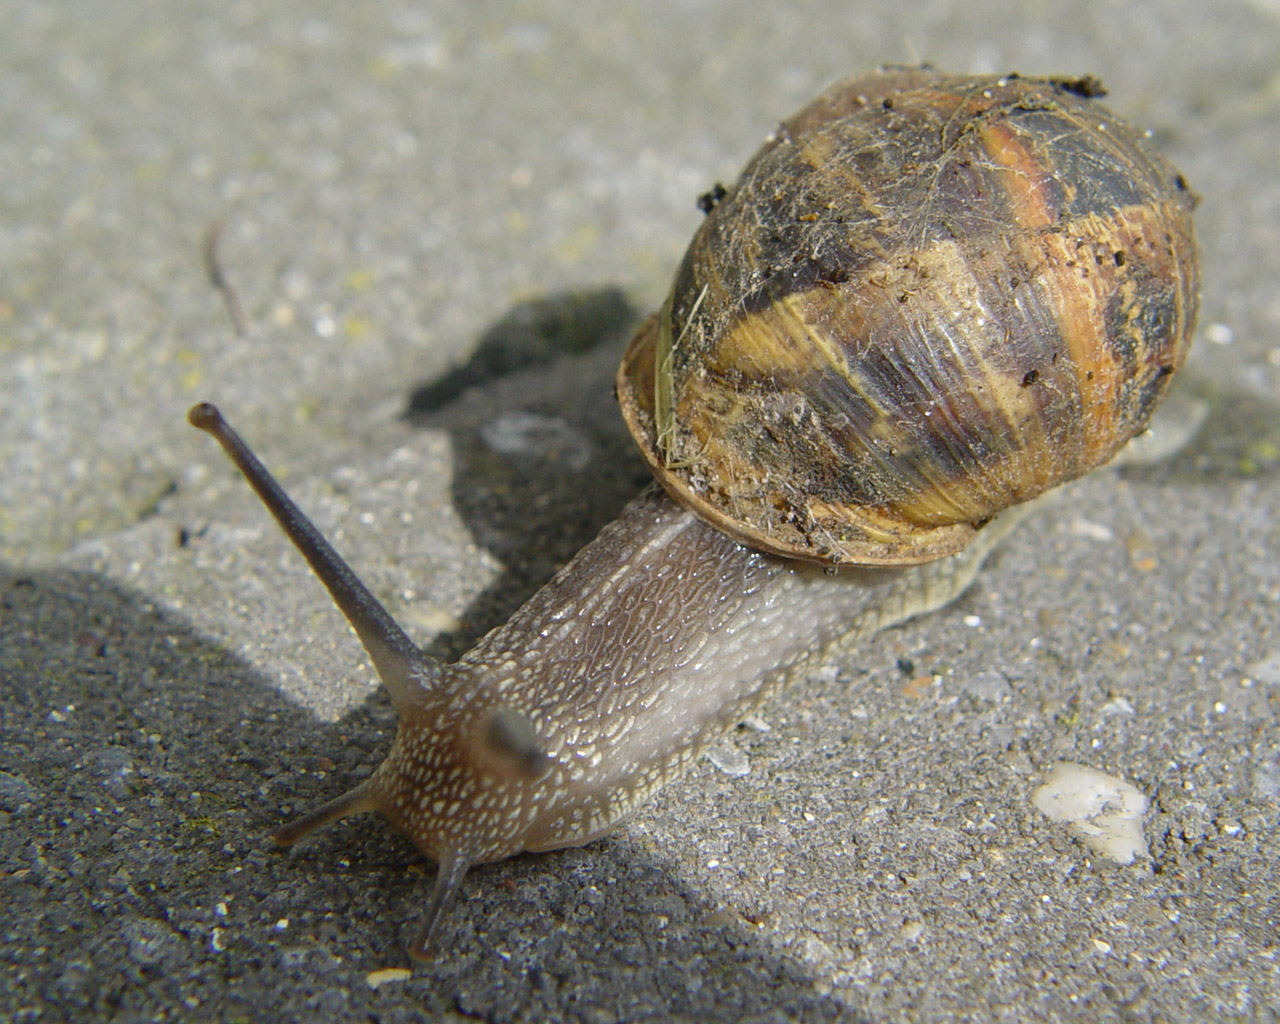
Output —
(928, 299)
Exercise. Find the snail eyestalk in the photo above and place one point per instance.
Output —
(354, 801)
(403, 668)
(450, 871)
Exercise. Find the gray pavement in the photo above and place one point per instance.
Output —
(443, 221)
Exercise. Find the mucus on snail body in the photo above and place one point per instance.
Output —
(928, 298)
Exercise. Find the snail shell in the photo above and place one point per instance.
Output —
(928, 298)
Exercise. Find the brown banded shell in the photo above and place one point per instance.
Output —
(927, 298)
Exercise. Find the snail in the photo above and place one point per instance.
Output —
(928, 299)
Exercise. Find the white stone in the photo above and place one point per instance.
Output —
(1103, 812)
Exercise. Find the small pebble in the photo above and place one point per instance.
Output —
(730, 759)
(1103, 812)
(386, 976)
(15, 792)
(989, 685)
(1265, 671)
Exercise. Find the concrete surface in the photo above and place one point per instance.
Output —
(401, 187)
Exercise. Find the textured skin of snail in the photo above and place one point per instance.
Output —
(666, 630)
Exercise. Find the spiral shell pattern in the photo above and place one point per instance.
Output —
(926, 299)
